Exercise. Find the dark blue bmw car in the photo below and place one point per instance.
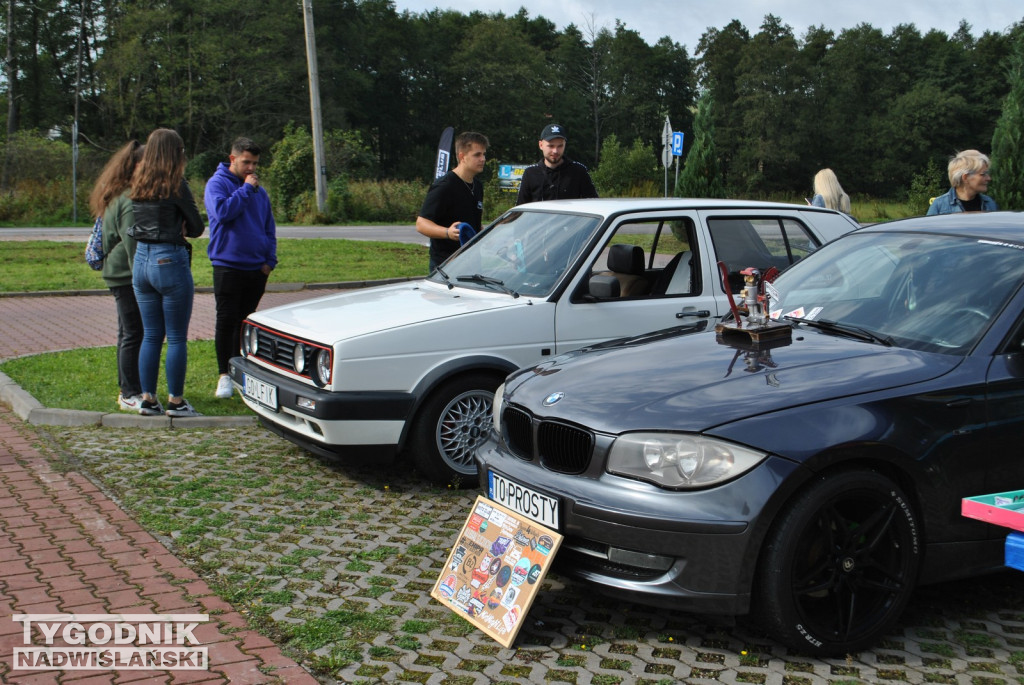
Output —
(812, 478)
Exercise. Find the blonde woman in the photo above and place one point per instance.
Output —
(828, 193)
(968, 180)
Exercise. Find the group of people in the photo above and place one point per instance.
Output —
(148, 216)
(458, 197)
(968, 173)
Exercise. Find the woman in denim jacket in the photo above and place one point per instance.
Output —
(968, 178)
(165, 214)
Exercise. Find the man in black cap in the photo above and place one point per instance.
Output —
(555, 178)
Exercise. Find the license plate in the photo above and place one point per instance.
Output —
(534, 505)
(264, 393)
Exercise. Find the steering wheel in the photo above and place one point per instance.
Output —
(962, 311)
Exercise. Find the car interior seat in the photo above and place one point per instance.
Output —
(677, 276)
(626, 264)
(738, 244)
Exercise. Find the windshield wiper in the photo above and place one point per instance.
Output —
(845, 329)
(447, 281)
(487, 280)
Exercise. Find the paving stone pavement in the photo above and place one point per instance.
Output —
(311, 567)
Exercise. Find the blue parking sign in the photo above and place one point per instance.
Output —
(677, 144)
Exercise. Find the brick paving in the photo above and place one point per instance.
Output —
(48, 323)
(65, 547)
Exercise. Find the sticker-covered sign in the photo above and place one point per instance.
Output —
(495, 569)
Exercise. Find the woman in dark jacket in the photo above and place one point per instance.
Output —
(165, 214)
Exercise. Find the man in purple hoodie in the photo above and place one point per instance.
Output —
(243, 248)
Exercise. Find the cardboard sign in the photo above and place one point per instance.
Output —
(495, 569)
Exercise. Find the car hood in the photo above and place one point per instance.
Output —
(347, 315)
(697, 382)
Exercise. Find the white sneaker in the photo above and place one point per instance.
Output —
(225, 388)
(184, 409)
(133, 403)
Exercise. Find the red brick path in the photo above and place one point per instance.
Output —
(67, 548)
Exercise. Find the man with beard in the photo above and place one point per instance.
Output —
(556, 177)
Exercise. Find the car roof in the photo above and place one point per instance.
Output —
(613, 205)
(1002, 226)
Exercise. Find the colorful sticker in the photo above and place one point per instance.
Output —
(504, 575)
(534, 574)
(521, 571)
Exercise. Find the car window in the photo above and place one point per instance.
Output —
(667, 249)
(922, 291)
(761, 243)
(528, 252)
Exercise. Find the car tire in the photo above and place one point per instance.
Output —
(839, 564)
(454, 420)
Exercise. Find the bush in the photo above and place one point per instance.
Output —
(626, 172)
(388, 201)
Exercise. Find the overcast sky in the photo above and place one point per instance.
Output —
(686, 20)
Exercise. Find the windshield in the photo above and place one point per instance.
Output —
(527, 252)
(916, 290)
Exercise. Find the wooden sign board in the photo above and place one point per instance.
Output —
(495, 569)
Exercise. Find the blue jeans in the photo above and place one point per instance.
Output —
(162, 279)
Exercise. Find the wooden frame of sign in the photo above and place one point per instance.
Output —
(495, 569)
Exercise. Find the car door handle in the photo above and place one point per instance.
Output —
(700, 314)
(959, 402)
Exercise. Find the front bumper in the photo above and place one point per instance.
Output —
(695, 551)
(332, 420)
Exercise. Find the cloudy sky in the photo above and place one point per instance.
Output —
(684, 21)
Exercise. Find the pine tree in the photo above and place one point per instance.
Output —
(702, 174)
(1007, 187)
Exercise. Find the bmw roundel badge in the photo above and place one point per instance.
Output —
(552, 398)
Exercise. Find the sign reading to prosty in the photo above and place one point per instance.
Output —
(495, 569)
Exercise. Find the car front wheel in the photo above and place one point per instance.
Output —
(453, 421)
(840, 564)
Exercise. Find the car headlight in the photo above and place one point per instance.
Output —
(254, 340)
(496, 406)
(299, 358)
(677, 460)
(322, 369)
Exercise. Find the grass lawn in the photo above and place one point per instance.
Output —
(40, 265)
(87, 379)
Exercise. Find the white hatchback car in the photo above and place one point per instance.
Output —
(413, 366)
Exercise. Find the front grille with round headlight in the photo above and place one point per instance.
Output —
(299, 358)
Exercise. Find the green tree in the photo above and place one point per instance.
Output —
(720, 51)
(625, 172)
(1008, 139)
(702, 175)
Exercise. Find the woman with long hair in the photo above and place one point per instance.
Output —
(109, 202)
(165, 215)
(828, 193)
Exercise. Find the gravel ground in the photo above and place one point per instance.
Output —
(335, 563)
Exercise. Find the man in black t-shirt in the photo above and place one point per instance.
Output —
(457, 197)
(556, 177)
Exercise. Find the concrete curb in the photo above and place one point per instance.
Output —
(30, 410)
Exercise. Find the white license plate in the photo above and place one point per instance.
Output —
(532, 504)
(264, 393)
